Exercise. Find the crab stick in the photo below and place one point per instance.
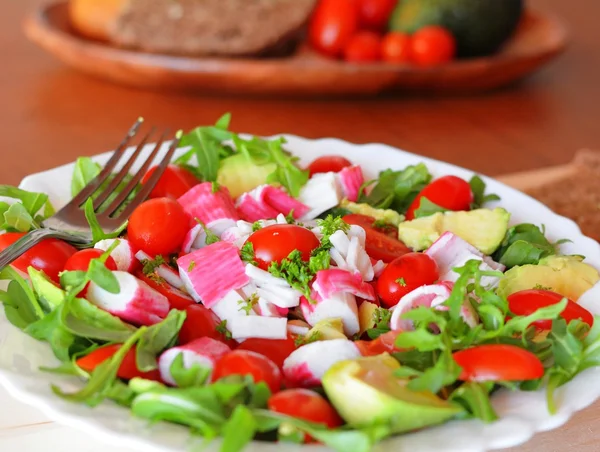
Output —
(123, 254)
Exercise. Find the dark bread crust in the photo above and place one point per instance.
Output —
(212, 27)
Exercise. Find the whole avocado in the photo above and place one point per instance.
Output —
(479, 26)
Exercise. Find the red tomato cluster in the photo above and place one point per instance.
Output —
(356, 30)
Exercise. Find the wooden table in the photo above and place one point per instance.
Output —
(50, 115)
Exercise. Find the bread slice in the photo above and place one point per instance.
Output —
(577, 194)
(212, 27)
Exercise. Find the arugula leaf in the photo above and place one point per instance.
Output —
(427, 208)
(18, 219)
(475, 398)
(479, 197)
(523, 244)
(103, 277)
(239, 430)
(85, 171)
(51, 330)
(21, 306)
(98, 233)
(287, 172)
(397, 189)
(70, 280)
(207, 152)
(157, 338)
(184, 377)
(444, 372)
(381, 320)
(421, 339)
(32, 202)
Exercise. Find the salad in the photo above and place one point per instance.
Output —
(252, 299)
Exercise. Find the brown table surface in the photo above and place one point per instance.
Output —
(50, 114)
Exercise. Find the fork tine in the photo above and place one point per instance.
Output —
(118, 178)
(136, 178)
(153, 180)
(93, 185)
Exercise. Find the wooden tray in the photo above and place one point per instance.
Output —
(539, 39)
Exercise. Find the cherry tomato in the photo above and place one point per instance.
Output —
(327, 163)
(404, 275)
(449, 192)
(177, 299)
(432, 46)
(332, 25)
(382, 247)
(244, 362)
(366, 222)
(128, 368)
(306, 405)
(275, 243)
(48, 256)
(81, 260)
(363, 47)
(495, 362)
(383, 344)
(158, 226)
(527, 302)
(277, 350)
(396, 47)
(200, 322)
(375, 14)
(173, 183)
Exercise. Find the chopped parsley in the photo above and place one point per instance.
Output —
(247, 254)
(299, 273)
(312, 337)
(329, 226)
(290, 217)
(211, 237)
(380, 224)
(150, 265)
(248, 305)
(256, 226)
(540, 287)
(221, 328)
(401, 281)
(191, 266)
(381, 319)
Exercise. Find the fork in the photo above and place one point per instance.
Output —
(69, 223)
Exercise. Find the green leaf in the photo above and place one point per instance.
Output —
(16, 217)
(479, 197)
(103, 277)
(420, 339)
(475, 398)
(491, 316)
(520, 323)
(98, 233)
(70, 280)
(207, 151)
(85, 171)
(405, 372)
(158, 338)
(32, 202)
(247, 254)
(121, 393)
(20, 303)
(51, 330)
(444, 372)
(523, 244)
(196, 375)
(427, 208)
(239, 430)
(419, 361)
(287, 173)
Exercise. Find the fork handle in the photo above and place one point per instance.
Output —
(34, 237)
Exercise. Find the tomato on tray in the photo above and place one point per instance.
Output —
(363, 47)
(332, 25)
(449, 192)
(396, 47)
(173, 183)
(49, 256)
(275, 243)
(432, 46)
(375, 14)
(527, 302)
(245, 362)
(498, 362)
(277, 350)
(328, 163)
(128, 368)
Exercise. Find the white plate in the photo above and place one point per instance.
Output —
(522, 414)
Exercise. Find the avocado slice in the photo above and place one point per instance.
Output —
(388, 215)
(483, 228)
(50, 295)
(566, 275)
(239, 174)
(480, 27)
(365, 392)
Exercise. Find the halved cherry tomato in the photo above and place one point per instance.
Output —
(367, 222)
(396, 47)
(382, 247)
(48, 256)
(363, 47)
(498, 362)
(375, 14)
(173, 183)
(449, 192)
(244, 362)
(158, 226)
(81, 260)
(432, 46)
(200, 322)
(128, 368)
(277, 350)
(383, 344)
(405, 274)
(526, 302)
(177, 299)
(332, 25)
(306, 405)
(328, 163)
(275, 243)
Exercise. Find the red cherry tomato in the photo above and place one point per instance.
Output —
(277, 350)
(363, 47)
(396, 47)
(366, 222)
(177, 298)
(327, 163)
(128, 368)
(158, 226)
(306, 405)
(383, 344)
(375, 14)
(173, 183)
(432, 46)
(275, 243)
(244, 362)
(381, 247)
(527, 302)
(404, 275)
(48, 256)
(81, 260)
(200, 322)
(495, 362)
(332, 25)
(449, 192)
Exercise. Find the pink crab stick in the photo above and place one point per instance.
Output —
(351, 179)
(333, 280)
(196, 237)
(340, 305)
(252, 210)
(203, 352)
(123, 254)
(135, 303)
(163, 270)
(207, 205)
(280, 201)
